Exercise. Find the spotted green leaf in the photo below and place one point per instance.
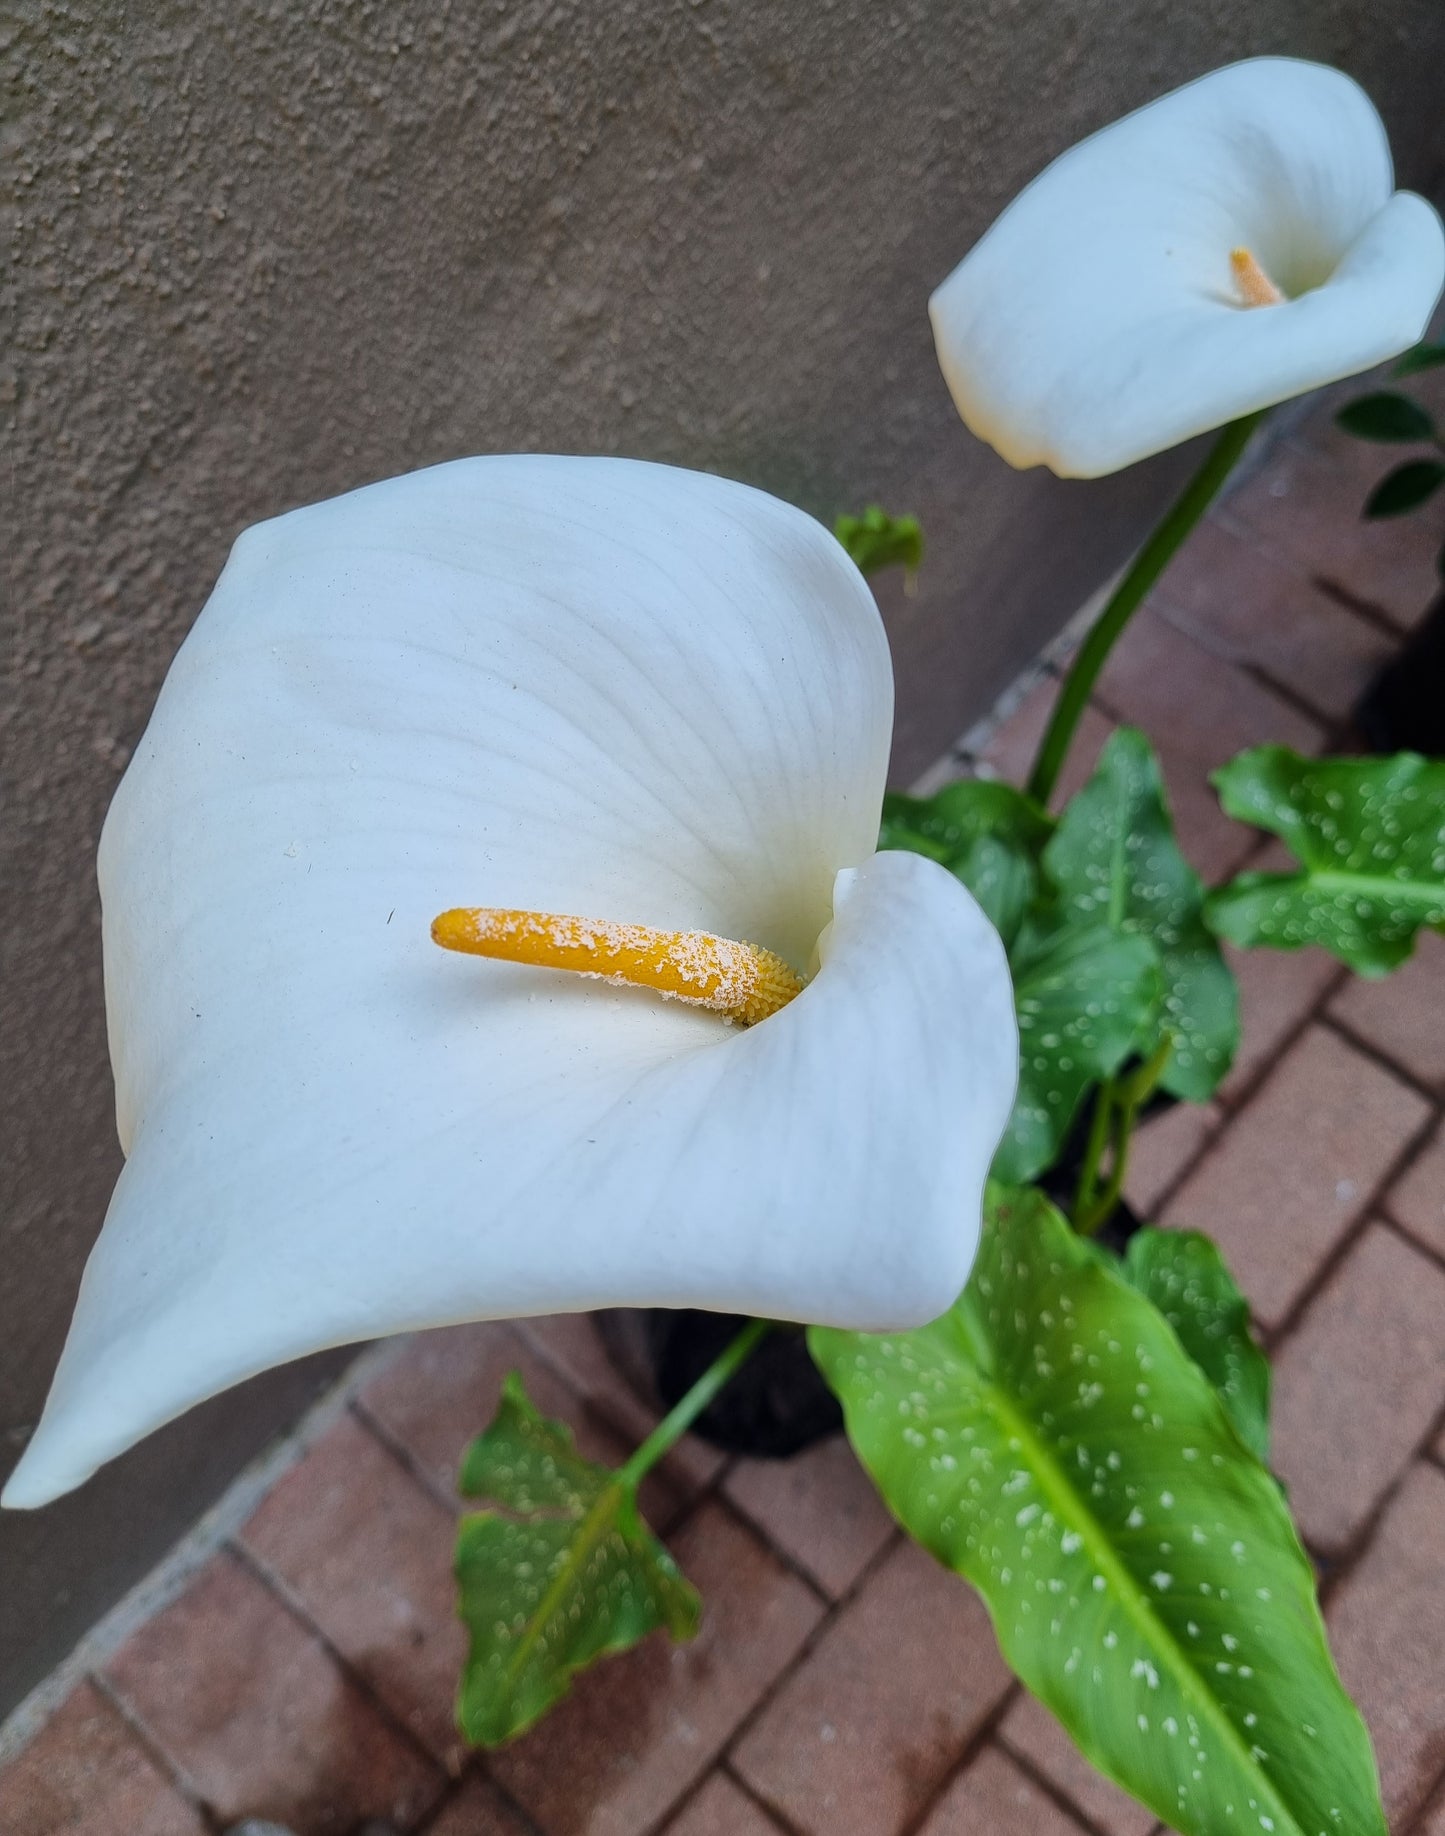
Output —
(1184, 1275)
(1084, 993)
(1113, 857)
(986, 833)
(876, 540)
(562, 1572)
(1049, 1439)
(1369, 835)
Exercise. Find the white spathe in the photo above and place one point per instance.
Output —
(1098, 321)
(576, 685)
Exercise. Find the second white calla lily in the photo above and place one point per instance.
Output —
(1234, 244)
(571, 686)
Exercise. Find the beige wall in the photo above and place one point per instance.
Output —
(262, 253)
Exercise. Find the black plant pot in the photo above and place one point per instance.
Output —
(776, 1405)
(1403, 709)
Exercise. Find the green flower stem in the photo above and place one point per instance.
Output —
(1094, 1150)
(681, 1416)
(1146, 568)
(1115, 1113)
(1097, 1211)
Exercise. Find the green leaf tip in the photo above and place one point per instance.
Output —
(875, 540)
(1387, 416)
(1405, 489)
(1185, 1277)
(1050, 1439)
(1369, 836)
(561, 1572)
(1420, 357)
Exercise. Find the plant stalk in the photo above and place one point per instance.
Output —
(1145, 569)
(685, 1411)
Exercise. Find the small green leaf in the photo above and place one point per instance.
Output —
(1049, 1439)
(562, 1573)
(1421, 357)
(986, 833)
(1113, 857)
(1386, 416)
(1184, 1275)
(1370, 837)
(1084, 994)
(1406, 488)
(876, 540)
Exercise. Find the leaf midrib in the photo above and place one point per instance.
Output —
(1137, 1604)
(1427, 892)
(594, 1527)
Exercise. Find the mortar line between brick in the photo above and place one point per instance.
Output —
(810, 1643)
(982, 1735)
(1338, 1568)
(1369, 1211)
(1286, 1042)
(154, 1749)
(287, 1598)
(400, 1455)
(1382, 1058)
(1365, 609)
(1428, 1250)
(1433, 1800)
(768, 1812)
(1338, 1571)
(1037, 1776)
(514, 1804)
(415, 1469)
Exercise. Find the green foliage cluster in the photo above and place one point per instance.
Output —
(1085, 1435)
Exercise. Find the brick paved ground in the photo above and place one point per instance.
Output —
(842, 1683)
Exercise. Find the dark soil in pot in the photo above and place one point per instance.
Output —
(776, 1405)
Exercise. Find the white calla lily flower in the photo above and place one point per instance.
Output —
(548, 686)
(1231, 245)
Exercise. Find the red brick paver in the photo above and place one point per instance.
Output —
(246, 1704)
(1304, 505)
(1358, 1385)
(377, 1581)
(1278, 991)
(1247, 606)
(1163, 1146)
(478, 1810)
(722, 1809)
(1403, 1016)
(1417, 1198)
(640, 1731)
(86, 1774)
(863, 1732)
(1278, 1213)
(1387, 1623)
(992, 1794)
(820, 1508)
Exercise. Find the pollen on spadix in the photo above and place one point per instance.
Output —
(739, 980)
(1255, 286)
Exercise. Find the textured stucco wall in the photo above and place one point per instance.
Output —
(259, 254)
